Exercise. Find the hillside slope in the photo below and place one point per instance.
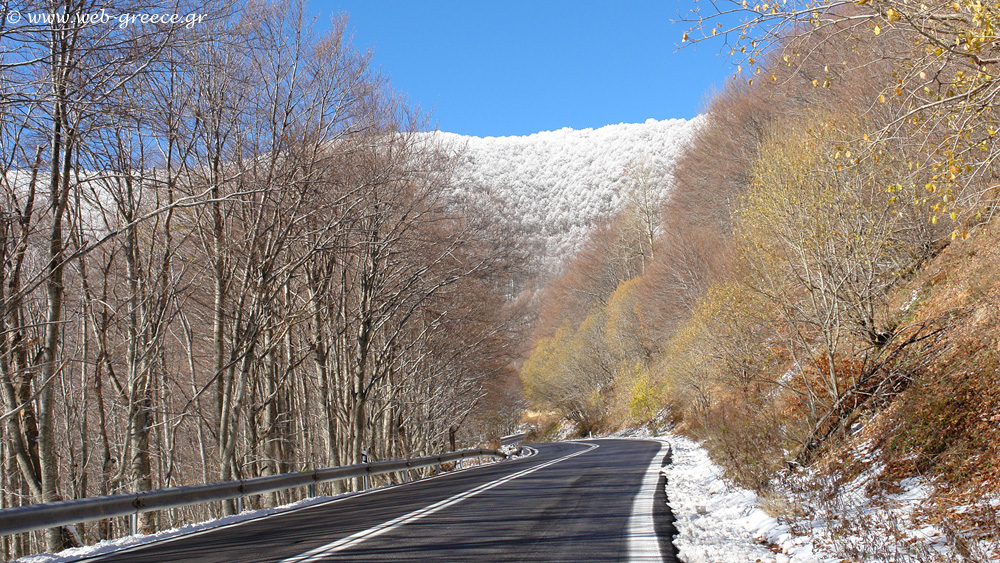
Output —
(555, 185)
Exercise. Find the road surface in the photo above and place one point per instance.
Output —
(572, 501)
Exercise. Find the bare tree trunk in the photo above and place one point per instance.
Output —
(61, 158)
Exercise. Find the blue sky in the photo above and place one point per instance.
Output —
(514, 67)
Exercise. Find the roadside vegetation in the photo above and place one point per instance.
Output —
(818, 297)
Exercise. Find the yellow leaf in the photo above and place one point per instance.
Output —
(878, 29)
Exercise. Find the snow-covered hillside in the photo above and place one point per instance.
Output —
(555, 185)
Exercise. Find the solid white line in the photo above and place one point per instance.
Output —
(643, 545)
(531, 452)
(354, 539)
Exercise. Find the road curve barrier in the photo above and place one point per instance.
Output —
(19, 519)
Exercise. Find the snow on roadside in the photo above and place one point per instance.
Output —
(718, 522)
(887, 527)
(107, 546)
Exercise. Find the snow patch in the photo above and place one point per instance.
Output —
(720, 523)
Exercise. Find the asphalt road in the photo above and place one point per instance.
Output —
(572, 501)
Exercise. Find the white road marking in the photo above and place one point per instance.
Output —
(643, 544)
(265, 514)
(350, 541)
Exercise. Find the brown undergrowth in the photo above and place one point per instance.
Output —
(944, 428)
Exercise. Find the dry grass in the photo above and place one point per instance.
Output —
(943, 428)
(947, 425)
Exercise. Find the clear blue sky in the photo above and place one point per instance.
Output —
(514, 67)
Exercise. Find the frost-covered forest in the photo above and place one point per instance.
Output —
(555, 185)
(230, 250)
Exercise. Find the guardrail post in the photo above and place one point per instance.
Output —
(133, 524)
(365, 483)
(312, 490)
(239, 504)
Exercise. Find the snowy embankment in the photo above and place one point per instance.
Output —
(717, 522)
(720, 523)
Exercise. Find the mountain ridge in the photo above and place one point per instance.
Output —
(553, 186)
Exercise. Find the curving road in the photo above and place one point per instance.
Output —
(590, 501)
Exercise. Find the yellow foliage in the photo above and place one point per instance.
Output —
(547, 360)
(586, 371)
(624, 330)
(645, 399)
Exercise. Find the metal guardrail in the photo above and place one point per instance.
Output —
(20, 519)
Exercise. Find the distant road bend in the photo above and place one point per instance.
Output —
(589, 501)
